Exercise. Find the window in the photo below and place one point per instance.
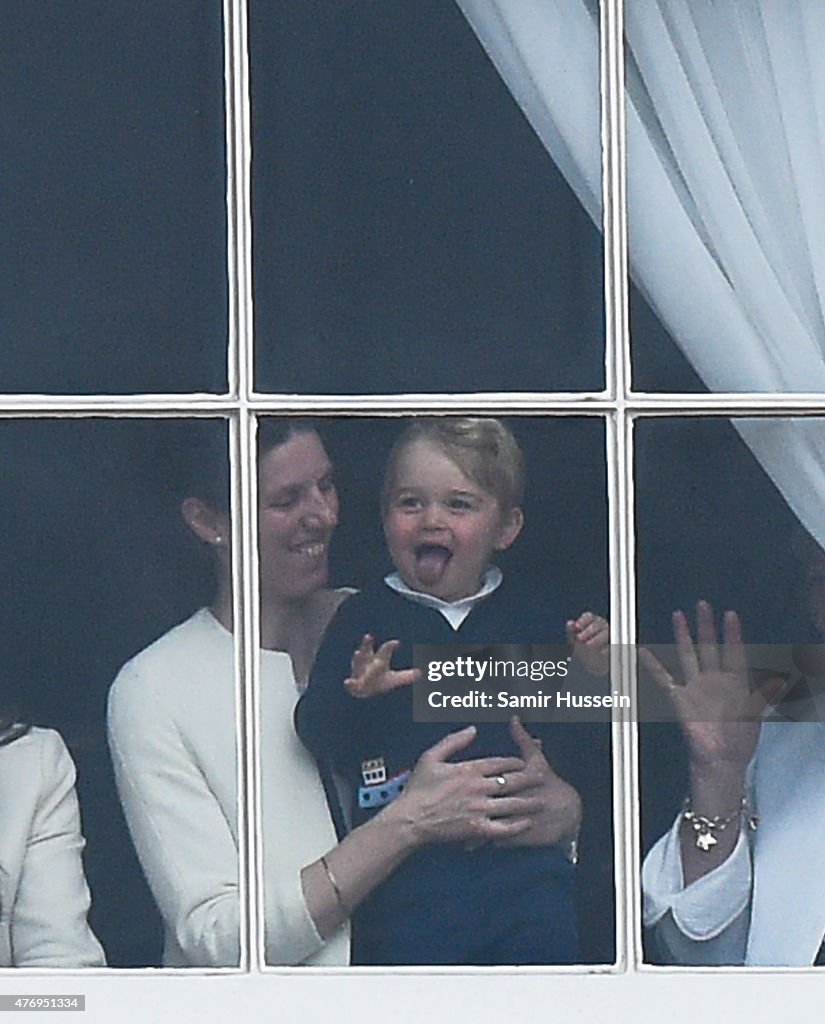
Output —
(332, 210)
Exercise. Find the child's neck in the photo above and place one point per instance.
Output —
(455, 600)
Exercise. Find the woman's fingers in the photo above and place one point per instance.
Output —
(527, 745)
(509, 806)
(451, 744)
(707, 645)
(489, 767)
(503, 828)
(684, 646)
(514, 783)
(656, 669)
(733, 650)
(704, 656)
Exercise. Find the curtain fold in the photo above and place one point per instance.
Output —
(725, 121)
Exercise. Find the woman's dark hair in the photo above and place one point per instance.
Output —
(10, 728)
(273, 432)
(198, 467)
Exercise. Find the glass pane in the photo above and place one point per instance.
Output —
(410, 228)
(724, 192)
(713, 525)
(98, 565)
(114, 224)
(459, 901)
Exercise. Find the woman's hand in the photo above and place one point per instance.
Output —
(370, 671)
(719, 714)
(489, 798)
(720, 718)
(558, 819)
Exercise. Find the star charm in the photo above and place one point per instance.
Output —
(706, 840)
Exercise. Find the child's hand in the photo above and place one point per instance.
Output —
(589, 636)
(371, 672)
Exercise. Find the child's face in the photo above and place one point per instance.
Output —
(441, 527)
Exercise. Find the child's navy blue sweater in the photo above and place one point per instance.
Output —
(445, 904)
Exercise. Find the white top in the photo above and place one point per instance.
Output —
(709, 905)
(43, 894)
(172, 714)
(765, 905)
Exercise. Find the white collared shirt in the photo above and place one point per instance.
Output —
(454, 612)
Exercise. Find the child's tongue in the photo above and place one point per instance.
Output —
(431, 561)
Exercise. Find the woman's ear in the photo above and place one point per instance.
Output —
(208, 525)
(511, 524)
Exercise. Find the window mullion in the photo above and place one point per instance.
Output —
(244, 475)
(619, 458)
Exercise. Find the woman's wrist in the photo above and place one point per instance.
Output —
(338, 881)
(717, 789)
(405, 831)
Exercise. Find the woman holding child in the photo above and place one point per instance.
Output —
(172, 713)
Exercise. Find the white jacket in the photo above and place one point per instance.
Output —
(44, 898)
(765, 906)
(172, 736)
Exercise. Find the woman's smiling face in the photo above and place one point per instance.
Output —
(298, 512)
(441, 527)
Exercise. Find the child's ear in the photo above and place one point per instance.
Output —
(208, 525)
(511, 524)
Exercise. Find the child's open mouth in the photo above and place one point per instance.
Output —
(430, 562)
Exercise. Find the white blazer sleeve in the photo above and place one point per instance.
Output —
(705, 922)
(48, 926)
(183, 840)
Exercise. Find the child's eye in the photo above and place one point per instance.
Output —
(459, 505)
(327, 484)
(408, 502)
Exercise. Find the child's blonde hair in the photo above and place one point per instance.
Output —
(484, 450)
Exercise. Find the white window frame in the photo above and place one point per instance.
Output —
(631, 990)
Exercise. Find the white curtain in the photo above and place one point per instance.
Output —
(726, 184)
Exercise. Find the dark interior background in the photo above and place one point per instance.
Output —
(114, 227)
(411, 232)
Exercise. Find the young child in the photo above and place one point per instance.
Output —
(451, 500)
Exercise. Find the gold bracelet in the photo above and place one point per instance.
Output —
(332, 881)
(705, 828)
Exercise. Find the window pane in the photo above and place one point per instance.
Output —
(724, 193)
(114, 249)
(712, 525)
(97, 565)
(553, 571)
(410, 229)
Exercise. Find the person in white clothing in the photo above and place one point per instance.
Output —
(172, 738)
(735, 880)
(44, 898)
